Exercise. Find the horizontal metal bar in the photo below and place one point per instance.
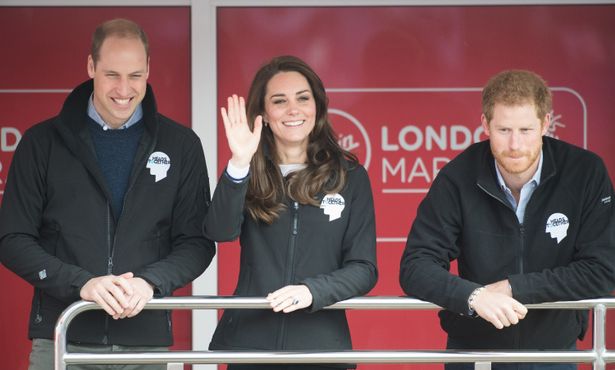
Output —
(380, 357)
(359, 303)
(296, 3)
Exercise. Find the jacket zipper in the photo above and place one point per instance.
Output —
(38, 318)
(290, 261)
(521, 228)
(517, 335)
(517, 331)
(109, 266)
(522, 235)
(293, 241)
(111, 238)
(109, 242)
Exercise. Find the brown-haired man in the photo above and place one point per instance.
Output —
(105, 203)
(528, 218)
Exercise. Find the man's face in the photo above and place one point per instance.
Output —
(120, 79)
(515, 135)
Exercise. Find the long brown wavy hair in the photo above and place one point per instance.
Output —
(327, 163)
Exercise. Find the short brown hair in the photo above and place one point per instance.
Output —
(122, 28)
(517, 87)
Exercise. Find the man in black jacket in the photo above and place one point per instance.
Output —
(105, 203)
(528, 218)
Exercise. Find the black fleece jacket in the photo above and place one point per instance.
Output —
(57, 229)
(334, 258)
(466, 217)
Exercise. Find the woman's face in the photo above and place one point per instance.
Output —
(290, 110)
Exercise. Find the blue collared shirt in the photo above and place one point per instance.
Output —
(93, 114)
(526, 191)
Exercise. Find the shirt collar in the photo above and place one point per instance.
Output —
(93, 114)
(288, 168)
(535, 179)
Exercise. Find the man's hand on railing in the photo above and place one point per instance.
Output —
(142, 292)
(496, 305)
(111, 292)
(290, 298)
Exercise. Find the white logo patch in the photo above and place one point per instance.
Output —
(158, 164)
(557, 226)
(333, 205)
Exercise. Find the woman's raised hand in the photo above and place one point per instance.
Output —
(241, 140)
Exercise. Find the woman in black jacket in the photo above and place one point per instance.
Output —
(303, 210)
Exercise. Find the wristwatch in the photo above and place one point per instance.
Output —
(471, 299)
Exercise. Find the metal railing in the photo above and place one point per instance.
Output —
(598, 355)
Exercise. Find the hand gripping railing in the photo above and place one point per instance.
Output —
(598, 355)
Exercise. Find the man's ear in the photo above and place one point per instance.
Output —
(485, 124)
(91, 67)
(546, 123)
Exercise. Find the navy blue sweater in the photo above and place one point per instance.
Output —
(115, 152)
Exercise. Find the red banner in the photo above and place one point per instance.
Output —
(404, 86)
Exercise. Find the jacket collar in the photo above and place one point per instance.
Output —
(74, 111)
(72, 126)
(549, 168)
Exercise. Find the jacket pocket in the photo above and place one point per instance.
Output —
(155, 248)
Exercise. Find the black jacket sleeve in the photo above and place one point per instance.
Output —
(225, 216)
(431, 245)
(21, 218)
(358, 273)
(191, 252)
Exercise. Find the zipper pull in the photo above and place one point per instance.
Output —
(110, 264)
(295, 217)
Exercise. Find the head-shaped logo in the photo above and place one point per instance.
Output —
(557, 226)
(158, 164)
(333, 205)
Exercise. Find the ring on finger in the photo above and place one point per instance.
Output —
(295, 301)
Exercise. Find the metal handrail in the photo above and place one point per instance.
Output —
(598, 355)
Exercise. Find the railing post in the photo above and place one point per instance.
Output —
(482, 366)
(599, 335)
(60, 350)
(61, 331)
